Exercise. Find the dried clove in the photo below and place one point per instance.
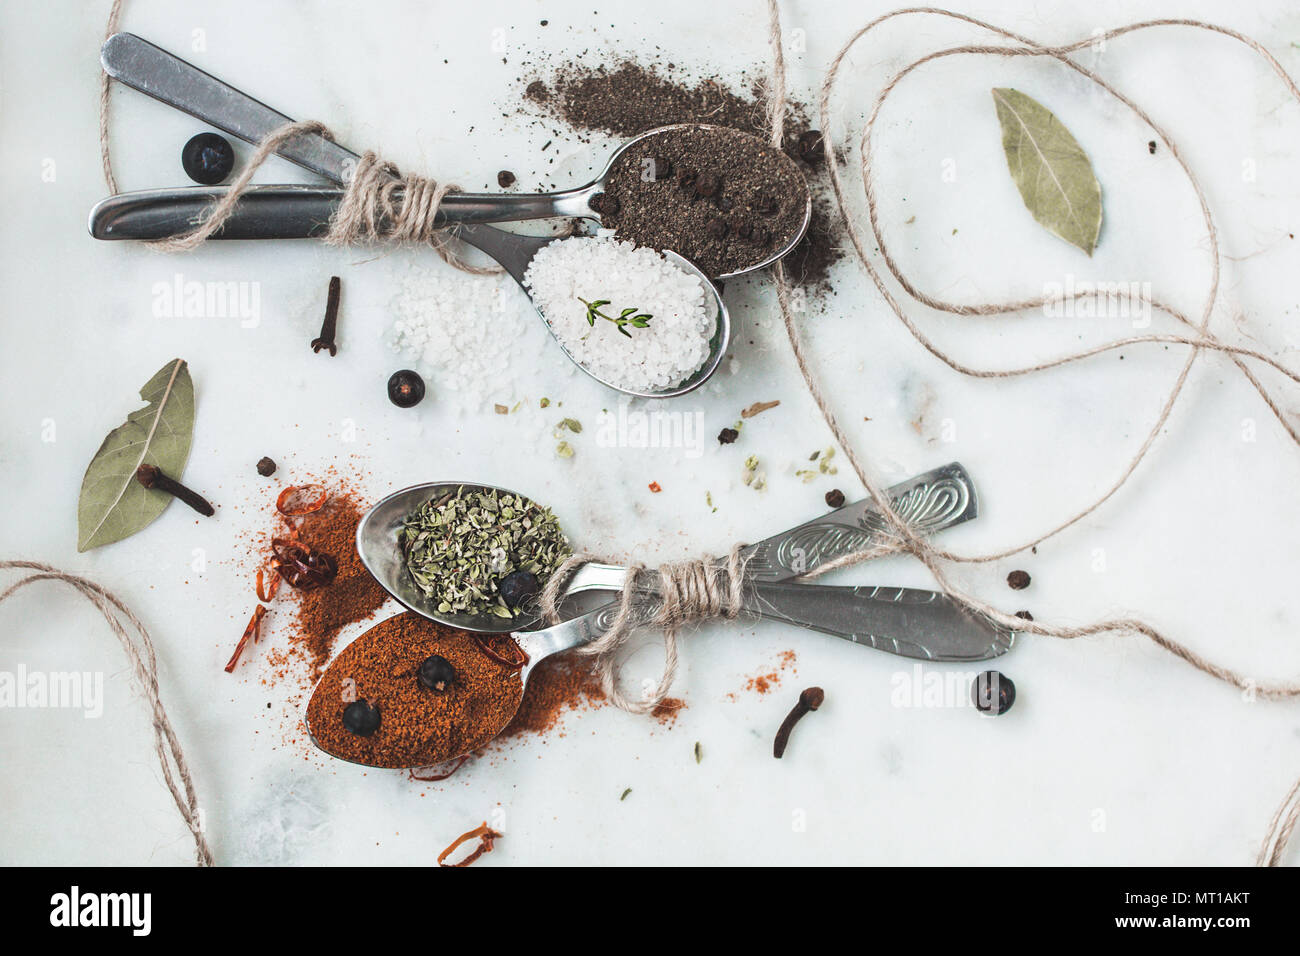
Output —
(153, 478)
(809, 700)
(329, 327)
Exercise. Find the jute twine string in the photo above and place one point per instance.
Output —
(687, 591)
(144, 663)
(905, 538)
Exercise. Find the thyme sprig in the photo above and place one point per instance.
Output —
(629, 316)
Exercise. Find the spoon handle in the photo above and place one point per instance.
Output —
(262, 212)
(910, 622)
(151, 70)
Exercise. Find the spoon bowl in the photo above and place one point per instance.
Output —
(381, 553)
(536, 645)
(471, 208)
(514, 253)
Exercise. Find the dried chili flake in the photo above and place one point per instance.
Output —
(439, 774)
(250, 631)
(295, 501)
(485, 835)
(300, 566)
(269, 594)
(758, 408)
(655, 488)
(483, 643)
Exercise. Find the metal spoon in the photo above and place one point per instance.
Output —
(157, 73)
(291, 212)
(907, 621)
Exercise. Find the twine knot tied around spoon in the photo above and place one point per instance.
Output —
(379, 204)
(683, 592)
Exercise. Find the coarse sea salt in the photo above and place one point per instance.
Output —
(470, 333)
(664, 354)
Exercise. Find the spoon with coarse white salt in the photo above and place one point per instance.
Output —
(653, 326)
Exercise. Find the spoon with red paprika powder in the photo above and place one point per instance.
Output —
(411, 692)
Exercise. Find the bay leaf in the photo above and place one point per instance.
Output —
(1050, 168)
(113, 505)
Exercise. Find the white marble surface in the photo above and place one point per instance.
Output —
(1115, 752)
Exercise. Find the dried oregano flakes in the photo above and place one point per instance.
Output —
(458, 548)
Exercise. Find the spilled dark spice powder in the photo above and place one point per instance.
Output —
(626, 98)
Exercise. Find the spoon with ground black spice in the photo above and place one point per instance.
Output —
(725, 200)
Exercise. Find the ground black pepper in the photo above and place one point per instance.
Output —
(627, 98)
(717, 168)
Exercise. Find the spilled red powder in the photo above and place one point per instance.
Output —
(304, 624)
(555, 687)
(667, 710)
(766, 681)
(563, 684)
(354, 594)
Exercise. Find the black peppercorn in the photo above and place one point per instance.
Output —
(717, 228)
(405, 388)
(609, 205)
(993, 693)
(810, 147)
(436, 673)
(661, 168)
(686, 178)
(518, 587)
(835, 498)
(1018, 580)
(1024, 615)
(360, 718)
(596, 202)
(208, 158)
(708, 184)
(727, 436)
(505, 179)
(265, 467)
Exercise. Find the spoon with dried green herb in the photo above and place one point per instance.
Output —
(475, 558)
(467, 555)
